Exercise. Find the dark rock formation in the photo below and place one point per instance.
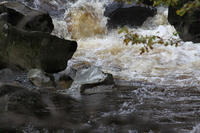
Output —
(148, 2)
(52, 7)
(25, 18)
(121, 14)
(28, 50)
(64, 82)
(188, 25)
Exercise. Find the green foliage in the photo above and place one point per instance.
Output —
(188, 7)
(148, 41)
(165, 2)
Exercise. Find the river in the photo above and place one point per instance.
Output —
(165, 92)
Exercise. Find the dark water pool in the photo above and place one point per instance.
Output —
(142, 109)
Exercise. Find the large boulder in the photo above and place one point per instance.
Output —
(52, 7)
(28, 50)
(124, 14)
(187, 25)
(25, 18)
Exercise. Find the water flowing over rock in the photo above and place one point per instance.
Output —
(25, 18)
(124, 14)
(85, 21)
(91, 80)
(187, 25)
(28, 50)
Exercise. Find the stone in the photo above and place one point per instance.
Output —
(40, 78)
(25, 18)
(188, 25)
(64, 82)
(52, 7)
(92, 78)
(122, 14)
(28, 50)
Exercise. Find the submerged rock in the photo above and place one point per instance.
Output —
(29, 50)
(17, 98)
(25, 18)
(123, 14)
(17, 101)
(187, 25)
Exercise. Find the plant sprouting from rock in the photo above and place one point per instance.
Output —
(148, 41)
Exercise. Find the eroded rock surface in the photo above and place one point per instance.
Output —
(25, 17)
(29, 50)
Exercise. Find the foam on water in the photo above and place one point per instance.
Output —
(164, 65)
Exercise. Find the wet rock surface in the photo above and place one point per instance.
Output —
(26, 42)
(28, 50)
(93, 80)
(25, 18)
(52, 7)
(187, 25)
(123, 14)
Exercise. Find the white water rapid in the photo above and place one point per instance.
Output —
(97, 46)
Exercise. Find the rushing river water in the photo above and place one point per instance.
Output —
(165, 92)
(96, 45)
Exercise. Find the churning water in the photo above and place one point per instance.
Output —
(165, 92)
(84, 22)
